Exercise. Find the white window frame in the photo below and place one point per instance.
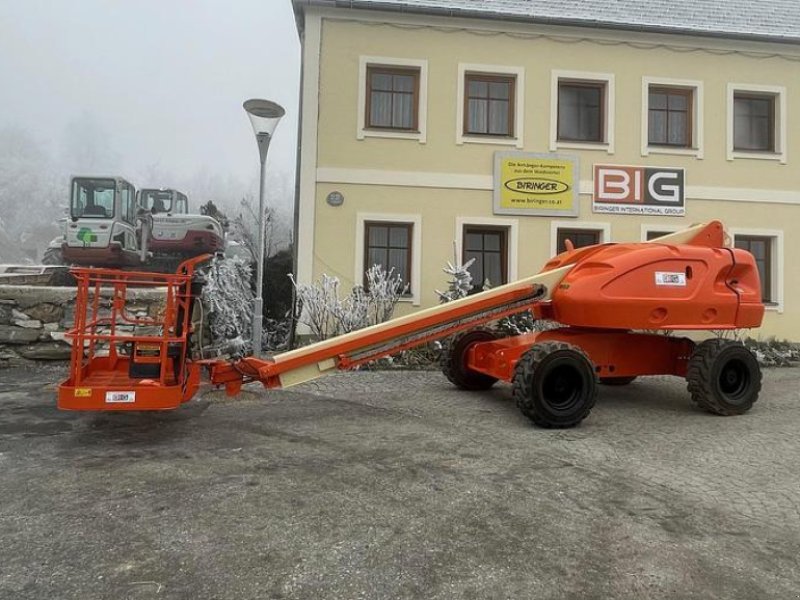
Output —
(776, 270)
(780, 121)
(416, 249)
(608, 128)
(647, 228)
(603, 227)
(697, 149)
(519, 98)
(422, 110)
(511, 225)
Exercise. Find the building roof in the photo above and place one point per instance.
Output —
(769, 20)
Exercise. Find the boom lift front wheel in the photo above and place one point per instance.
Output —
(554, 385)
(454, 360)
(724, 377)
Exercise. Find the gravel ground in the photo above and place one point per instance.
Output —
(396, 485)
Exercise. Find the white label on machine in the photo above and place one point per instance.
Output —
(674, 279)
(120, 397)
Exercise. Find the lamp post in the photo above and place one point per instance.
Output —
(264, 116)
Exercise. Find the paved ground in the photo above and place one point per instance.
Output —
(395, 485)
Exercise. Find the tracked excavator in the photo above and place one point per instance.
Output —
(617, 304)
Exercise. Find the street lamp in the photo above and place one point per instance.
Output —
(264, 116)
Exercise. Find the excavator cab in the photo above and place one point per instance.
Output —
(176, 232)
(164, 201)
(101, 229)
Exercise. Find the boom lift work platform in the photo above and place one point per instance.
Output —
(617, 304)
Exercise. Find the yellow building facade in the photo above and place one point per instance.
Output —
(408, 120)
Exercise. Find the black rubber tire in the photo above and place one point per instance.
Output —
(555, 385)
(617, 380)
(53, 256)
(723, 377)
(454, 359)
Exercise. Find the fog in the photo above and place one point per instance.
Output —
(150, 90)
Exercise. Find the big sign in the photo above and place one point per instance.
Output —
(639, 190)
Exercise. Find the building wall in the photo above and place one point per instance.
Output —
(440, 182)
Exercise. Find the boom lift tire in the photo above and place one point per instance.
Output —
(723, 377)
(454, 361)
(554, 385)
(617, 380)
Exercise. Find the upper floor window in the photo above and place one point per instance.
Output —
(489, 105)
(670, 117)
(753, 122)
(757, 122)
(392, 98)
(581, 111)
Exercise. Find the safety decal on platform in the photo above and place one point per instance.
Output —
(671, 279)
(120, 397)
(83, 392)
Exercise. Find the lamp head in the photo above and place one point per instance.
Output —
(264, 115)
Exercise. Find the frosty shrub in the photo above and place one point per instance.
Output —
(228, 300)
(328, 315)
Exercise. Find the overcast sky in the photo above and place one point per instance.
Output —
(164, 79)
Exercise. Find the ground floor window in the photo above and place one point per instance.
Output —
(578, 237)
(761, 249)
(389, 245)
(489, 247)
(653, 234)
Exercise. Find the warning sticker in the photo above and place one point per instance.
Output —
(120, 397)
(671, 279)
(83, 392)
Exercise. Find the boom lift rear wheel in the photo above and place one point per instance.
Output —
(724, 377)
(454, 360)
(554, 385)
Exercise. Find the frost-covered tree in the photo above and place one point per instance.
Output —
(460, 282)
(228, 301)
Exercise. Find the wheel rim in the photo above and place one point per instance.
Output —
(562, 388)
(734, 381)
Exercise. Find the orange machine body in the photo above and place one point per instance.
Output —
(659, 286)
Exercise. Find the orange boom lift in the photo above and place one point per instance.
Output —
(615, 302)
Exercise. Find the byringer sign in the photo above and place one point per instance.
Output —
(535, 184)
(639, 190)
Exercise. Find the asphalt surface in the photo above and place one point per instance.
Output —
(396, 485)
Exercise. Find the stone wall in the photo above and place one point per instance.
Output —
(33, 319)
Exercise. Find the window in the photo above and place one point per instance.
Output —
(578, 237)
(757, 122)
(489, 105)
(652, 235)
(670, 117)
(392, 98)
(753, 122)
(581, 111)
(761, 249)
(126, 195)
(389, 245)
(488, 246)
(92, 198)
